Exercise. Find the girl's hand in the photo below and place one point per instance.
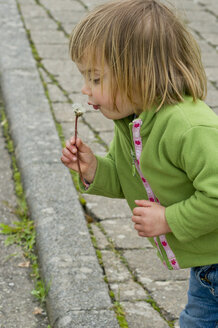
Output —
(149, 219)
(88, 162)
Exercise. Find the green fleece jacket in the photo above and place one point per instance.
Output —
(179, 159)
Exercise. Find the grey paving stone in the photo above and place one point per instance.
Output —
(115, 270)
(129, 291)
(68, 16)
(33, 11)
(55, 93)
(203, 28)
(170, 296)
(58, 67)
(39, 23)
(63, 111)
(107, 136)
(48, 37)
(99, 122)
(71, 6)
(91, 319)
(201, 16)
(211, 38)
(215, 109)
(101, 239)
(106, 208)
(210, 59)
(147, 267)
(142, 315)
(53, 51)
(212, 74)
(212, 96)
(123, 234)
(204, 46)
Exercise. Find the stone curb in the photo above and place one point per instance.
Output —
(78, 295)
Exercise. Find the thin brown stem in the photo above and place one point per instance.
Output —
(78, 163)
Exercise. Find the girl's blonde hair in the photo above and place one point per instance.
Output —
(153, 59)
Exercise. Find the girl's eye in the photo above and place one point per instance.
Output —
(96, 81)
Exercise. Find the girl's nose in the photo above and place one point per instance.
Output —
(86, 90)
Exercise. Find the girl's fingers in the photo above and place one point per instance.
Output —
(83, 148)
(144, 203)
(69, 155)
(136, 219)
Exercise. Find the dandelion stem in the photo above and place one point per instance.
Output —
(78, 162)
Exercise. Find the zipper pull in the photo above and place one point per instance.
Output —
(133, 161)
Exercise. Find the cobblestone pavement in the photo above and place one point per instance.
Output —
(150, 295)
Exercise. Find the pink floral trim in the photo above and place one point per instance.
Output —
(138, 150)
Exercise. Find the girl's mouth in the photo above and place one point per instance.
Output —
(96, 107)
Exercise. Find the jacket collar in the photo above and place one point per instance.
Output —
(147, 118)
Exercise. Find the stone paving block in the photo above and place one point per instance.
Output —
(33, 11)
(203, 28)
(170, 296)
(55, 93)
(210, 59)
(215, 109)
(123, 234)
(212, 74)
(204, 46)
(201, 16)
(101, 239)
(107, 136)
(68, 27)
(16, 303)
(70, 80)
(53, 51)
(93, 3)
(115, 270)
(25, 2)
(211, 38)
(142, 315)
(147, 267)
(212, 95)
(48, 37)
(99, 122)
(44, 76)
(64, 5)
(67, 16)
(91, 319)
(106, 208)
(78, 97)
(59, 66)
(128, 291)
(64, 112)
(39, 23)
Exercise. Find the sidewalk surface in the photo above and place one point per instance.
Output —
(90, 267)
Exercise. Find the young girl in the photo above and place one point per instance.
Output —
(143, 69)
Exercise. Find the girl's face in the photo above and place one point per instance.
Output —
(100, 96)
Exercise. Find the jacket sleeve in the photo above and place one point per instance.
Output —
(198, 157)
(106, 182)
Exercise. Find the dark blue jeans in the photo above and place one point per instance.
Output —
(202, 308)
